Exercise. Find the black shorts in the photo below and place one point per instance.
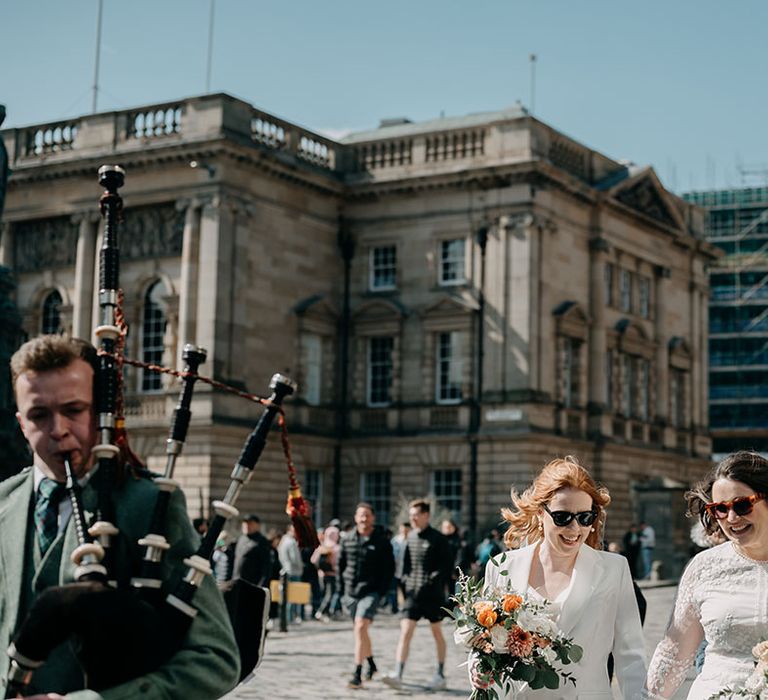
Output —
(427, 606)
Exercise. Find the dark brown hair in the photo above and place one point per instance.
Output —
(421, 504)
(749, 468)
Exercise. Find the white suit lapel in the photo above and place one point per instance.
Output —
(517, 565)
(587, 573)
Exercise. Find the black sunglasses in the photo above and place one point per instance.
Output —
(561, 518)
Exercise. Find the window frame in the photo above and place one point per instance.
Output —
(376, 489)
(445, 259)
(452, 488)
(454, 365)
(51, 311)
(373, 266)
(371, 371)
(152, 382)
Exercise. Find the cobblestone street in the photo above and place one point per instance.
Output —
(313, 661)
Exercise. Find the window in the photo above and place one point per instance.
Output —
(52, 313)
(312, 368)
(644, 389)
(677, 397)
(644, 297)
(152, 335)
(313, 492)
(608, 283)
(571, 368)
(375, 489)
(625, 290)
(380, 370)
(383, 268)
(446, 486)
(448, 389)
(627, 385)
(452, 261)
(609, 379)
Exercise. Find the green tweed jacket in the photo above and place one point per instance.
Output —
(206, 666)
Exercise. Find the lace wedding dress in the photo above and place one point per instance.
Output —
(723, 598)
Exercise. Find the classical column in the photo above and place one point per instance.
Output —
(82, 323)
(190, 251)
(95, 308)
(660, 293)
(597, 398)
(696, 364)
(215, 280)
(6, 244)
(704, 302)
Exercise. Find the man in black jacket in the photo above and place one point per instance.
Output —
(426, 570)
(366, 567)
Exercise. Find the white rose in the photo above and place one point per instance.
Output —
(463, 636)
(499, 639)
(537, 623)
(549, 655)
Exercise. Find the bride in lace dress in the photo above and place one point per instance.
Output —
(723, 594)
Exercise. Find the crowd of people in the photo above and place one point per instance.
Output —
(554, 535)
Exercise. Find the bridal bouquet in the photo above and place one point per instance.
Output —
(756, 686)
(511, 639)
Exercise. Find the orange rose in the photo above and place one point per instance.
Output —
(511, 603)
(486, 616)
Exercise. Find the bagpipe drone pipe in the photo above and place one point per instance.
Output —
(143, 620)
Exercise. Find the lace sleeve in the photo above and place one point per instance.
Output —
(676, 651)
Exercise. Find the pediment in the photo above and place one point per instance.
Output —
(316, 306)
(449, 306)
(376, 309)
(633, 338)
(644, 193)
(571, 319)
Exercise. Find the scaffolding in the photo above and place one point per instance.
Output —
(737, 222)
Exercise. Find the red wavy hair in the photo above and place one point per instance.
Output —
(560, 473)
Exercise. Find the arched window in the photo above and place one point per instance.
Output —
(52, 313)
(152, 334)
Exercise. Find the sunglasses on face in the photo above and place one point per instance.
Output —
(741, 506)
(561, 518)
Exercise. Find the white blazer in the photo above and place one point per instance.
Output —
(600, 614)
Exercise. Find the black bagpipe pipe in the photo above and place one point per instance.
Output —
(112, 623)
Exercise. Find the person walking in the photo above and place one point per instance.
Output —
(366, 567)
(631, 548)
(647, 539)
(326, 559)
(291, 562)
(427, 566)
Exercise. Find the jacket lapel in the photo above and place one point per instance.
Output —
(587, 573)
(12, 544)
(514, 570)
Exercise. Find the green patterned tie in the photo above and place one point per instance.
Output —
(49, 495)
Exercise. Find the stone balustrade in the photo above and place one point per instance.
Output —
(393, 151)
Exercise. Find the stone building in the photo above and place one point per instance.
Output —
(459, 300)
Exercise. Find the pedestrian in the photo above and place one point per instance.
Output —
(366, 566)
(292, 564)
(398, 549)
(427, 566)
(326, 559)
(631, 548)
(245, 595)
(488, 548)
(274, 536)
(53, 380)
(647, 539)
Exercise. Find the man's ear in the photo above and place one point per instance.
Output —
(22, 425)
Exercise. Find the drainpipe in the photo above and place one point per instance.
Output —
(481, 238)
(346, 243)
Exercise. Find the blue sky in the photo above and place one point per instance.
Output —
(678, 84)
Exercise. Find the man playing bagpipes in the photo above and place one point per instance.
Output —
(53, 379)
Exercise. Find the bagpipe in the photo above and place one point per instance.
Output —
(106, 616)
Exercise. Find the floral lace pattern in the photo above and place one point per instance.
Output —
(723, 598)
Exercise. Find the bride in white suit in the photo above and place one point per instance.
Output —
(561, 516)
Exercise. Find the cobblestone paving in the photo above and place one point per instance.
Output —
(313, 661)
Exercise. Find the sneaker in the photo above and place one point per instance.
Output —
(393, 681)
(438, 682)
(369, 674)
(355, 682)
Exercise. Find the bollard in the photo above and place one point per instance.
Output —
(283, 601)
